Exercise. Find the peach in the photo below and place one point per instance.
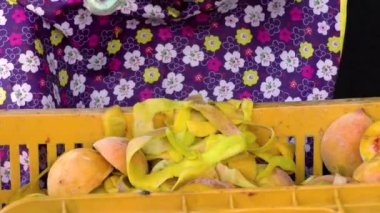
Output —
(340, 143)
(328, 180)
(114, 150)
(78, 171)
(370, 143)
(369, 171)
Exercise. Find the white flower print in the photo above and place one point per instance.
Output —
(323, 27)
(3, 20)
(233, 61)
(317, 95)
(77, 84)
(65, 28)
(254, 15)
(46, 24)
(5, 68)
(24, 160)
(319, 6)
(264, 56)
(226, 5)
(72, 55)
(165, 53)
(202, 93)
(29, 61)
(47, 102)
(21, 94)
(338, 22)
(193, 55)
(96, 62)
(5, 171)
(83, 18)
(289, 61)
(276, 8)
(173, 83)
(37, 10)
(133, 60)
(124, 89)
(224, 91)
(99, 99)
(154, 15)
(231, 20)
(326, 69)
(128, 6)
(132, 24)
(53, 64)
(81, 105)
(290, 99)
(56, 94)
(270, 87)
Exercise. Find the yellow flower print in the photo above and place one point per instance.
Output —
(250, 77)
(3, 96)
(151, 74)
(39, 47)
(144, 36)
(56, 37)
(63, 77)
(334, 44)
(243, 36)
(12, 2)
(212, 43)
(113, 46)
(306, 50)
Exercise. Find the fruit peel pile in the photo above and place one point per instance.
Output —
(175, 146)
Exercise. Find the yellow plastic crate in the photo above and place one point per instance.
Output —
(298, 120)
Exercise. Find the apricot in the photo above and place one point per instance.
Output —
(340, 143)
(370, 143)
(368, 171)
(114, 150)
(78, 171)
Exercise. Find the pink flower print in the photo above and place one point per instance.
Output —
(2, 155)
(165, 33)
(202, 17)
(214, 64)
(285, 35)
(245, 95)
(198, 77)
(59, 52)
(45, 67)
(263, 36)
(307, 71)
(187, 31)
(215, 25)
(42, 83)
(148, 50)
(248, 52)
(64, 99)
(293, 84)
(103, 20)
(114, 64)
(19, 15)
(208, 6)
(145, 94)
(15, 39)
(296, 14)
(93, 40)
(72, 2)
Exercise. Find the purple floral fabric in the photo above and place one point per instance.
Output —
(56, 54)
